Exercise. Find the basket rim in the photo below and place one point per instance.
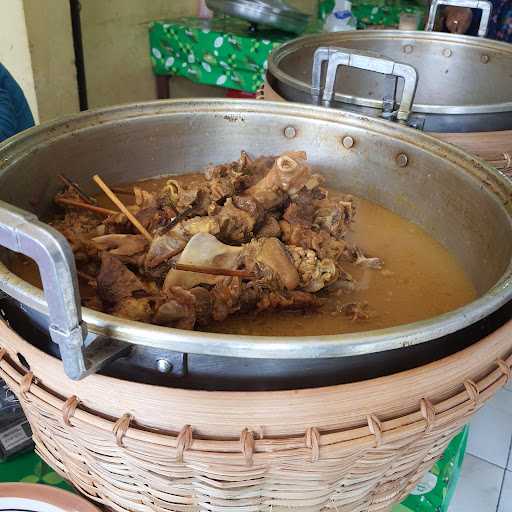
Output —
(490, 369)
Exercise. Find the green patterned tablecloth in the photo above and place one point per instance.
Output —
(220, 51)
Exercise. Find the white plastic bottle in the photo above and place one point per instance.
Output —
(341, 18)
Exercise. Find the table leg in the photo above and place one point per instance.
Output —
(162, 87)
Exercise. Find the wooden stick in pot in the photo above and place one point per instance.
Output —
(85, 206)
(85, 197)
(142, 230)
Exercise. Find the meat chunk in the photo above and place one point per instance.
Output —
(286, 177)
(131, 308)
(251, 206)
(203, 250)
(115, 281)
(151, 218)
(269, 255)
(314, 273)
(163, 248)
(357, 256)
(289, 174)
(128, 248)
(178, 311)
(297, 214)
(226, 180)
(191, 200)
(319, 241)
(355, 310)
(236, 225)
(203, 305)
(144, 199)
(195, 225)
(334, 217)
(269, 228)
(79, 227)
(226, 297)
(287, 300)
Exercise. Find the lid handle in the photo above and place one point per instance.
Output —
(336, 57)
(484, 5)
(22, 232)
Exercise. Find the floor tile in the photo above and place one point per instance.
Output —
(478, 488)
(490, 431)
(505, 504)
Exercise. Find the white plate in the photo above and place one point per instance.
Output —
(19, 497)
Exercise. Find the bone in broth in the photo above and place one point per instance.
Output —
(305, 260)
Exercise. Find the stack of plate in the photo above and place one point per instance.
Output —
(273, 13)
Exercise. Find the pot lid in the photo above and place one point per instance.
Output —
(273, 13)
(456, 74)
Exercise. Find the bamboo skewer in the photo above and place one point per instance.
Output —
(85, 206)
(86, 197)
(192, 268)
(214, 271)
(122, 207)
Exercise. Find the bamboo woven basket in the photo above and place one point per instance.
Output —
(349, 448)
(493, 147)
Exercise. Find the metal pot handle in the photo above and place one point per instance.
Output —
(484, 5)
(22, 232)
(336, 57)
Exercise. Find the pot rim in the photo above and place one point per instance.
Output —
(405, 37)
(304, 347)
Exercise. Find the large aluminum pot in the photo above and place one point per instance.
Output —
(459, 201)
(446, 82)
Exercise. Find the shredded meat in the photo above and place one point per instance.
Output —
(225, 298)
(115, 281)
(334, 217)
(179, 310)
(163, 248)
(355, 310)
(144, 199)
(203, 305)
(288, 300)
(128, 248)
(235, 225)
(267, 229)
(299, 214)
(250, 206)
(319, 241)
(357, 256)
(131, 308)
(273, 261)
(314, 273)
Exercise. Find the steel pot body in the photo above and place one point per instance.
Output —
(464, 84)
(458, 200)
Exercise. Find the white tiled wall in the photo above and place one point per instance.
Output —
(485, 483)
